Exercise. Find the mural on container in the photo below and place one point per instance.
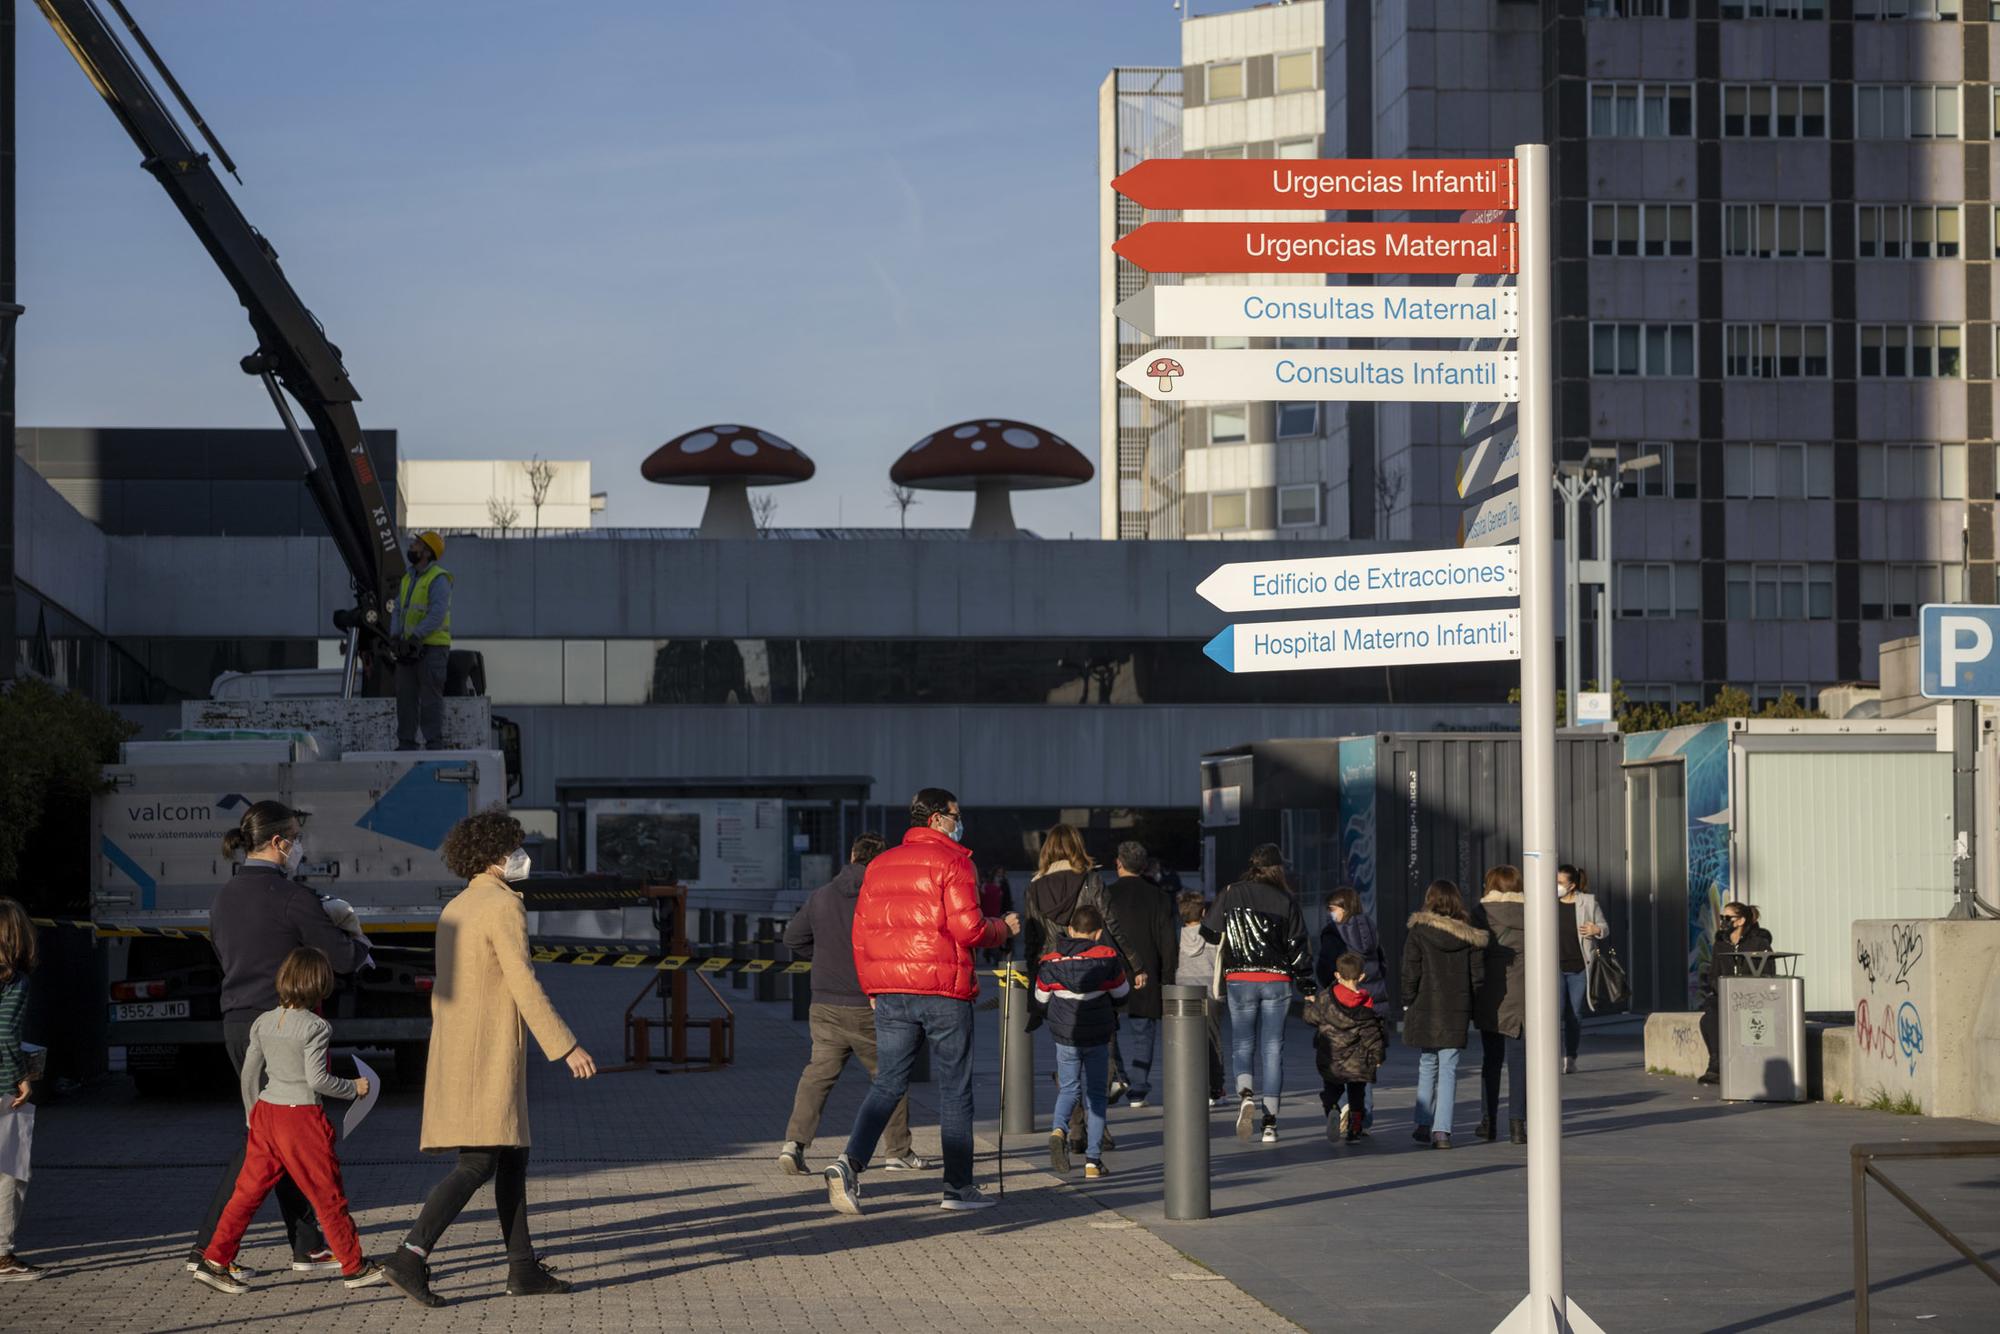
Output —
(1704, 752)
(1357, 816)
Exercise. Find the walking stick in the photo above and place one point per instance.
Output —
(1006, 1023)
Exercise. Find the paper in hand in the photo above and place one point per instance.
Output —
(357, 1111)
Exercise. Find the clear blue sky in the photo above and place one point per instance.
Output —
(579, 229)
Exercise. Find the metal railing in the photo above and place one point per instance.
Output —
(1862, 1158)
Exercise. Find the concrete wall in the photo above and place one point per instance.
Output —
(1927, 1014)
(57, 552)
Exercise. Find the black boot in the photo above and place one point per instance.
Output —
(1485, 1130)
(534, 1279)
(1517, 1132)
(411, 1276)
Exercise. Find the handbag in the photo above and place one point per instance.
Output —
(1609, 987)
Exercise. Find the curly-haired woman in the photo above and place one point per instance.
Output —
(485, 1002)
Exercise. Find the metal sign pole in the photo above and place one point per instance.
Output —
(1545, 1309)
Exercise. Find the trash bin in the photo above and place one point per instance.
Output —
(1762, 1029)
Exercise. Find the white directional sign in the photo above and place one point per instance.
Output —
(1322, 312)
(1369, 641)
(1495, 522)
(1488, 463)
(1202, 375)
(1446, 575)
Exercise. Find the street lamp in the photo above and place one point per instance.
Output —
(1595, 476)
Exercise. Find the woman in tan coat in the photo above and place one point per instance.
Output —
(485, 1002)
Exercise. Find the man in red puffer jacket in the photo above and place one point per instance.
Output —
(915, 928)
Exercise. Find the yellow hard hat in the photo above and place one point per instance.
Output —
(434, 542)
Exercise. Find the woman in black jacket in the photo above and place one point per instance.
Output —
(1502, 1006)
(1444, 963)
(1737, 933)
(1266, 959)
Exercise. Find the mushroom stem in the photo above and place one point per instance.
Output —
(993, 511)
(1166, 385)
(728, 511)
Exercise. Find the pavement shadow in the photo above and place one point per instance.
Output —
(1845, 1296)
(1366, 1188)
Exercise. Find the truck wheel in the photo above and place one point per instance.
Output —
(411, 1060)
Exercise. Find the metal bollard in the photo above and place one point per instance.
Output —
(1184, 1020)
(739, 947)
(767, 948)
(1017, 1071)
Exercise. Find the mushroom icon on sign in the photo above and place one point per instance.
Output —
(1166, 370)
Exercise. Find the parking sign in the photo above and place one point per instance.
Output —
(1959, 652)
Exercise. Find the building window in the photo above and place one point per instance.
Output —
(1677, 475)
(1773, 9)
(1641, 110)
(1906, 231)
(1782, 471)
(1906, 111)
(1774, 231)
(1298, 148)
(1775, 592)
(1635, 9)
(1659, 590)
(1228, 423)
(1911, 351)
(1298, 71)
(1668, 694)
(1296, 420)
(1906, 9)
(1642, 349)
(1298, 506)
(1764, 693)
(1901, 470)
(1773, 111)
(1776, 351)
(1649, 231)
(1228, 511)
(1894, 592)
(1225, 82)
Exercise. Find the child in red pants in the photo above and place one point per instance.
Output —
(289, 1132)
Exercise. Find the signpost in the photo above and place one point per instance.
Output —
(1369, 641)
(1321, 247)
(1320, 312)
(1492, 522)
(1199, 375)
(1353, 581)
(1490, 462)
(1166, 184)
(1957, 660)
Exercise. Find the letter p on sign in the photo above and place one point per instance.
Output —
(1956, 651)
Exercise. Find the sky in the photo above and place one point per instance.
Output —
(579, 229)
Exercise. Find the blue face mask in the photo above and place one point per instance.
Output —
(957, 831)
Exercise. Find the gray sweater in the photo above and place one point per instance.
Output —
(287, 1058)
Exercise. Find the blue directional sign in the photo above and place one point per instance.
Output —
(1959, 652)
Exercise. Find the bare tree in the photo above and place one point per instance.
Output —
(541, 476)
(1388, 490)
(502, 514)
(902, 497)
(763, 509)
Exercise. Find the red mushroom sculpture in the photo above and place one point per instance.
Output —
(1166, 370)
(991, 457)
(728, 460)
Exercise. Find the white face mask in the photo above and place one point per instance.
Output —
(516, 866)
(295, 853)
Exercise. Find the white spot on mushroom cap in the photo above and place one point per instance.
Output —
(1019, 438)
(697, 442)
(772, 440)
(978, 444)
(992, 423)
(966, 432)
(921, 443)
(743, 448)
(727, 430)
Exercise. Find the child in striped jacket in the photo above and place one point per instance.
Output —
(1080, 980)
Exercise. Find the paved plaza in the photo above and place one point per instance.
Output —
(659, 1196)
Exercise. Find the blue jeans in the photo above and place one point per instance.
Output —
(1575, 994)
(1082, 1072)
(1138, 1037)
(1257, 1033)
(1437, 1087)
(901, 1023)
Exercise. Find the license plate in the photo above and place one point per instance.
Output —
(130, 1010)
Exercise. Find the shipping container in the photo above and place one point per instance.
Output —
(1818, 823)
(1391, 812)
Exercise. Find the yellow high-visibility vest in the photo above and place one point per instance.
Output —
(415, 602)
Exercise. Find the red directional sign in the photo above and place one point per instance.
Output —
(1321, 247)
(1317, 185)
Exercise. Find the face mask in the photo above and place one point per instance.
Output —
(958, 831)
(294, 854)
(417, 555)
(516, 866)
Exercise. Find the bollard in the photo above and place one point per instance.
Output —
(1184, 1020)
(740, 947)
(767, 948)
(802, 995)
(1017, 1069)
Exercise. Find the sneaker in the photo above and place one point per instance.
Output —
(792, 1159)
(369, 1275)
(964, 1197)
(241, 1273)
(1136, 1103)
(1270, 1135)
(1569, 1065)
(908, 1161)
(1336, 1125)
(220, 1278)
(1246, 1117)
(410, 1274)
(1117, 1091)
(1059, 1153)
(843, 1191)
(13, 1269)
(536, 1280)
(1440, 1141)
(1095, 1171)
(319, 1262)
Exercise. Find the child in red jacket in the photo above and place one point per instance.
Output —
(1350, 1042)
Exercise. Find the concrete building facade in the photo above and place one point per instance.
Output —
(498, 495)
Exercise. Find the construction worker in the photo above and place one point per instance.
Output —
(423, 644)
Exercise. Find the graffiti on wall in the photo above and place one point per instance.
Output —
(1888, 1013)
